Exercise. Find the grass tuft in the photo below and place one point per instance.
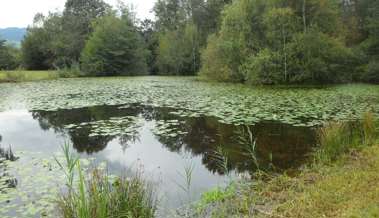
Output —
(99, 195)
(337, 138)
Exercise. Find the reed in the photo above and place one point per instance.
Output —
(99, 195)
(336, 138)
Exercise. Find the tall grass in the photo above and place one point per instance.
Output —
(249, 145)
(336, 138)
(220, 157)
(369, 128)
(23, 76)
(98, 195)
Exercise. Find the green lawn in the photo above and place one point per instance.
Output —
(23, 76)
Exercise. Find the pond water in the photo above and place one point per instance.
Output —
(165, 125)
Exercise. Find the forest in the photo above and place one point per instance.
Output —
(244, 41)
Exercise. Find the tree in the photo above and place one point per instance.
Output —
(179, 52)
(39, 45)
(241, 35)
(370, 45)
(183, 27)
(170, 15)
(278, 41)
(149, 33)
(9, 57)
(76, 26)
(115, 48)
(281, 25)
(317, 58)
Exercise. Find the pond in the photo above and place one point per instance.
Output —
(162, 125)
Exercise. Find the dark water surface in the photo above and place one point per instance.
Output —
(101, 132)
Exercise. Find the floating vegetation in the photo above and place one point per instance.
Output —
(34, 187)
(229, 103)
(168, 128)
(115, 126)
(7, 154)
(6, 180)
(29, 186)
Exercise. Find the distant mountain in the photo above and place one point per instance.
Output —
(13, 35)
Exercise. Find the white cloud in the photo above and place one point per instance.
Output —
(20, 13)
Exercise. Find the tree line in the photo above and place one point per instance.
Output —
(247, 41)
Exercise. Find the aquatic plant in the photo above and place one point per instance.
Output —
(249, 145)
(7, 154)
(187, 177)
(71, 161)
(38, 182)
(231, 104)
(6, 181)
(127, 125)
(220, 157)
(99, 195)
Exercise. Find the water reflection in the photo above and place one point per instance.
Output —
(282, 145)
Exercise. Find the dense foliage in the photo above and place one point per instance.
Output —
(115, 48)
(57, 40)
(271, 42)
(9, 56)
(250, 41)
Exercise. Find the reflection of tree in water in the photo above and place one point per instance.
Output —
(286, 144)
(81, 139)
(281, 145)
(127, 139)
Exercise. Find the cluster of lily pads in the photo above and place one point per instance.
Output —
(36, 188)
(168, 128)
(230, 103)
(40, 180)
(115, 126)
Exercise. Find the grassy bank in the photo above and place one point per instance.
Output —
(341, 181)
(24, 76)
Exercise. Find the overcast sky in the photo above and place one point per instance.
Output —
(20, 13)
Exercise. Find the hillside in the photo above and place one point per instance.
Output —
(13, 35)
